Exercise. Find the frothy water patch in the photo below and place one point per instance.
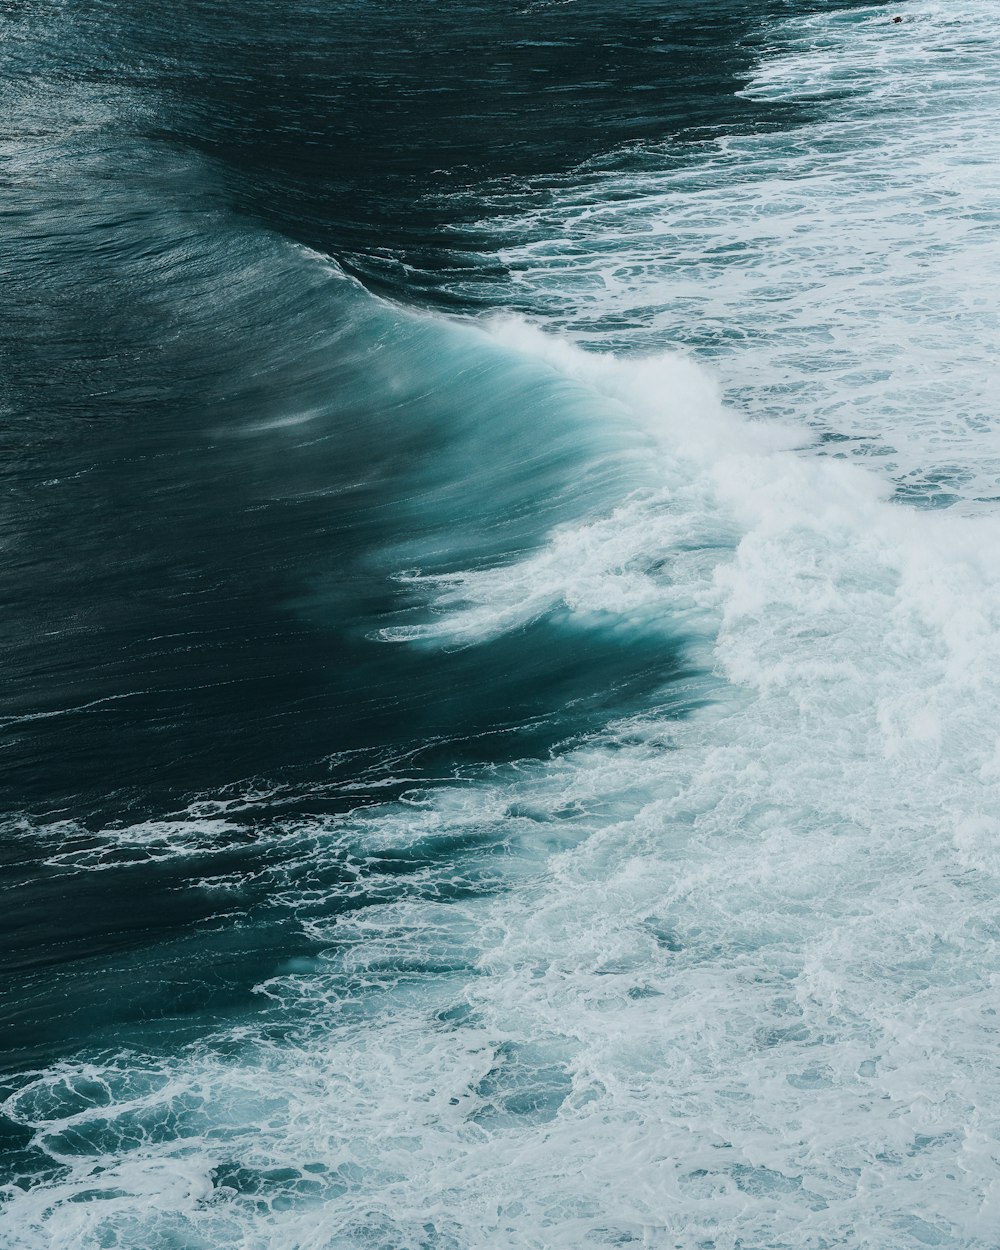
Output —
(839, 274)
(727, 979)
(719, 973)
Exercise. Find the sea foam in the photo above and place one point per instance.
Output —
(724, 978)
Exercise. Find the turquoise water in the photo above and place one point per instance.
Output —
(500, 622)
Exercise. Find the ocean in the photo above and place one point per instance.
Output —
(500, 625)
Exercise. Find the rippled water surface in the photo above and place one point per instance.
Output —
(501, 624)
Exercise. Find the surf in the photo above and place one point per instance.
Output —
(591, 840)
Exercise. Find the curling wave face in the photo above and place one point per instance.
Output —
(643, 888)
(692, 974)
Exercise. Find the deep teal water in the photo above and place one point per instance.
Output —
(331, 600)
(193, 590)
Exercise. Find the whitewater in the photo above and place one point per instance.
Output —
(721, 972)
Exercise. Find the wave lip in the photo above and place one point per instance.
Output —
(724, 977)
(692, 975)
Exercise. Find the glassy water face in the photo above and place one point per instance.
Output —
(500, 619)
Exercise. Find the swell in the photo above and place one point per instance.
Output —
(232, 468)
(376, 133)
(628, 988)
(680, 959)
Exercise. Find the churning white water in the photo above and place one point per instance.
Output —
(841, 273)
(737, 985)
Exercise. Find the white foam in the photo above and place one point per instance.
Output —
(724, 981)
(648, 564)
(739, 983)
(840, 273)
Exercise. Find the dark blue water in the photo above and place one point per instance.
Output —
(235, 423)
